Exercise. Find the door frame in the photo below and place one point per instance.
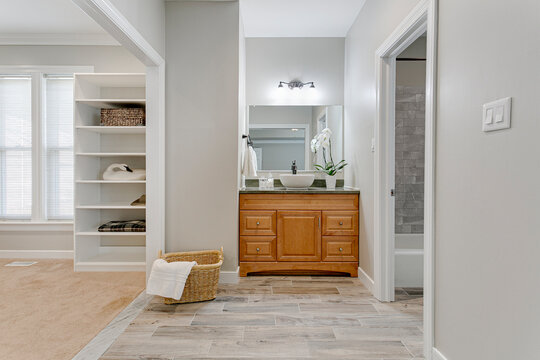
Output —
(112, 20)
(423, 18)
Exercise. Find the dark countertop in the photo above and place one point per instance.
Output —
(311, 190)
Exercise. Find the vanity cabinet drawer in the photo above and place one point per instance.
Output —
(340, 248)
(257, 222)
(257, 248)
(340, 222)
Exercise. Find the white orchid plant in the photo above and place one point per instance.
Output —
(324, 141)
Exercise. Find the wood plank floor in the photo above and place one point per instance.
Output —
(279, 317)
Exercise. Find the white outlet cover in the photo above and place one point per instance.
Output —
(496, 115)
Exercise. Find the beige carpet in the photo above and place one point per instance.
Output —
(47, 311)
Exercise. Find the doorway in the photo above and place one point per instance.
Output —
(409, 165)
(422, 20)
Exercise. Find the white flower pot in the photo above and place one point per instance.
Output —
(330, 182)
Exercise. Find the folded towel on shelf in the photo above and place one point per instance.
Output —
(168, 279)
(124, 226)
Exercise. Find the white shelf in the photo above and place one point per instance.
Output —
(115, 154)
(106, 206)
(120, 130)
(110, 182)
(110, 103)
(110, 233)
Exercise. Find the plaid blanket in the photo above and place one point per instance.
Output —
(127, 226)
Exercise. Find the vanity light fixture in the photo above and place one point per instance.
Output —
(296, 84)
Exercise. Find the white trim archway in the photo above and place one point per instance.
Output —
(423, 18)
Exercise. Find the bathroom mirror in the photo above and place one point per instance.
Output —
(282, 134)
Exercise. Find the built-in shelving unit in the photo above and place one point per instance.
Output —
(98, 201)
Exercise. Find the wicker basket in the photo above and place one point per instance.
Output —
(202, 282)
(123, 117)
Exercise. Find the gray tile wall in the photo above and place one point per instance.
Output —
(410, 140)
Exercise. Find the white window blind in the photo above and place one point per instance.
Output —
(58, 146)
(15, 147)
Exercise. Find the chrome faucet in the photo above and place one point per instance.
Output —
(293, 167)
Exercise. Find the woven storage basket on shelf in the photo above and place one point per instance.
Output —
(123, 117)
(202, 282)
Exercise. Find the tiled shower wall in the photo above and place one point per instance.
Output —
(410, 140)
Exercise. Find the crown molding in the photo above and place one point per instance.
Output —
(57, 39)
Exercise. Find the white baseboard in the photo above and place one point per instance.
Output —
(366, 280)
(436, 355)
(229, 277)
(36, 254)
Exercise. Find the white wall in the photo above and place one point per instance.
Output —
(104, 59)
(148, 17)
(202, 127)
(376, 21)
(487, 193)
(271, 60)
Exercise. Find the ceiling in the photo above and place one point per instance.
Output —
(22, 19)
(299, 18)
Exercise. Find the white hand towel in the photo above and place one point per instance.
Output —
(168, 279)
(249, 163)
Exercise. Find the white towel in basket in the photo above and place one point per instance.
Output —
(168, 279)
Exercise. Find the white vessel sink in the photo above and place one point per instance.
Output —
(297, 181)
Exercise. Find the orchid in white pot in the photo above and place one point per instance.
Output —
(330, 168)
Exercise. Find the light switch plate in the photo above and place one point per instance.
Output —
(496, 115)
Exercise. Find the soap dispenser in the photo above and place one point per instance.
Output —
(270, 181)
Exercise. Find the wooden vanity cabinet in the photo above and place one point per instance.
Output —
(305, 233)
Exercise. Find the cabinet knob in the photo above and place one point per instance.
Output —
(258, 223)
(258, 249)
(341, 223)
(340, 249)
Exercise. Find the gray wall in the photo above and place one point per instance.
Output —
(374, 24)
(103, 58)
(271, 60)
(202, 127)
(487, 193)
(410, 145)
(148, 17)
(412, 73)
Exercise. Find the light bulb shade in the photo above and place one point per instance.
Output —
(280, 85)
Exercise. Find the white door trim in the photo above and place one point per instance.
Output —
(110, 19)
(422, 18)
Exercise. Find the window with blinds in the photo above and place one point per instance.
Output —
(15, 147)
(36, 146)
(58, 146)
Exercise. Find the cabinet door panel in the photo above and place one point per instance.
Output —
(340, 248)
(257, 248)
(340, 222)
(299, 236)
(257, 222)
